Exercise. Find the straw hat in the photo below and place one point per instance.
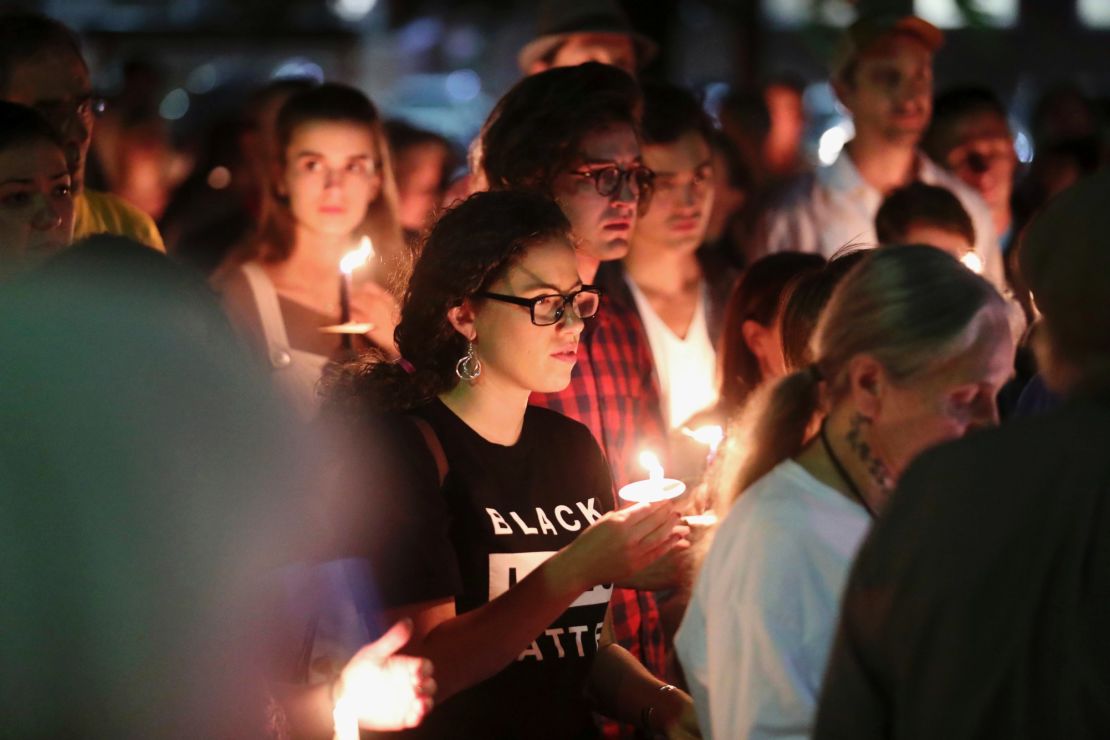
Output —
(561, 19)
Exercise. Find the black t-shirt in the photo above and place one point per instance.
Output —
(501, 511)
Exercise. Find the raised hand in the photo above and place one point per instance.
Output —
(379, 690)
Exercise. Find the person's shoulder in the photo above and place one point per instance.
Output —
(101, 212)
(776, 510)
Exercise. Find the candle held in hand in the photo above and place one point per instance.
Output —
(350, 262)
(657, 487)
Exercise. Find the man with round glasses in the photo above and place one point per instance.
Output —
(41, 67)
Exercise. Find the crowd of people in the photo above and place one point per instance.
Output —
(360, 447)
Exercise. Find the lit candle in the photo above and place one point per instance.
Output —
(973, 262)
(657, 487)
(348, 264)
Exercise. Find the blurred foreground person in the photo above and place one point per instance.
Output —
(41, 66)
(978, 607)
(910, 352)
(331, 184)
(489, 520)
(36, 193)
(150, 484)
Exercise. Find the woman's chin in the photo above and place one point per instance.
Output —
(554, 382)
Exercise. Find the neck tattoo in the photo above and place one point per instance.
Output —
(857, 494)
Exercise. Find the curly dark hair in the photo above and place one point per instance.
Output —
(470, 246)
(535, 130)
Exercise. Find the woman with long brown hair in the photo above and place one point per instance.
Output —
(331, 185)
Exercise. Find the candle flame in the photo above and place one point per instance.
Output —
(973, 262)
(650, 463)
(710, 436)
(356, 258)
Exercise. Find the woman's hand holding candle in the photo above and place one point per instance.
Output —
(621, 544)
(376, 306)
(657, 487)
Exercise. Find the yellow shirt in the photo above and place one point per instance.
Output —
(104, 213)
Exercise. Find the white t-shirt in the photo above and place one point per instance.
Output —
(757, 633)
(686, 367)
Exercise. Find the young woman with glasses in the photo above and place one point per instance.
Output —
(489, 522)
(330, 185)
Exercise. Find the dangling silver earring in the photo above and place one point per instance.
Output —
(469, 367)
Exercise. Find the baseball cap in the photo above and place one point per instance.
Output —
(871, 28)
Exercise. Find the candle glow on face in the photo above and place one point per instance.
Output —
(356, 258)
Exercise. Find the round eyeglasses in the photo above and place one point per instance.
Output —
(609, 180)
(550, 308)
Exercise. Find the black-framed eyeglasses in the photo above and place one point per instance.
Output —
(609, 180)
(550, 308)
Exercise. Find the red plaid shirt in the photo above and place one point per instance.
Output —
(613, 392)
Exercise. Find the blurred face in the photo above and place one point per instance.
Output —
(683, 195)
(514, 351)
(953, 242)
(784, 107)
(56, 84)
(419, 172)
(36, 204)
(981, 153)
(331, 176)
(608, 48)
(890, 93)
(947, 402)
(602, 223)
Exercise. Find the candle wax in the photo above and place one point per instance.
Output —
(652, 490)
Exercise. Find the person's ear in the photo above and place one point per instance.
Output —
(868, 385)
(462, 317)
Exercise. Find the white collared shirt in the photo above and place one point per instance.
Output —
(834, 206)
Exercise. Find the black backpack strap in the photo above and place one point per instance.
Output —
(434, 446)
